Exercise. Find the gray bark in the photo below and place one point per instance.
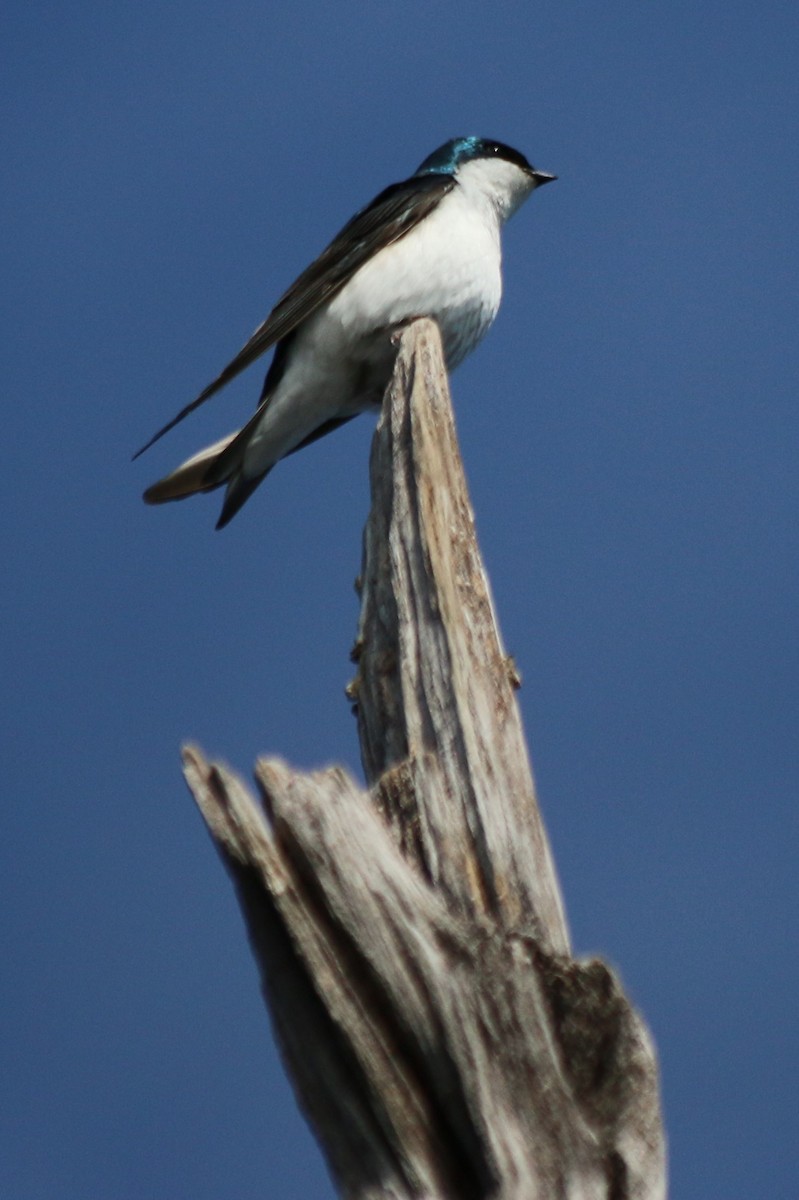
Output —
(441, 1038)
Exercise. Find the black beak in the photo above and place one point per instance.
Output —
(541, 178)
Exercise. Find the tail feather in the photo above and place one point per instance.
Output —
(210, 469)
(239, 490)
(200, 473)
(223, 463)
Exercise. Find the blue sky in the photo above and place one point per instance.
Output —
(629, 430)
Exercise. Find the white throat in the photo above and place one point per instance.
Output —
(496, 182)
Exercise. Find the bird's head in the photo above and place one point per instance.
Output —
(500, 172)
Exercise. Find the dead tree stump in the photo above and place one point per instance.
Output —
(411, 938)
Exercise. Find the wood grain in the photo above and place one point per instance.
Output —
(441, 1038)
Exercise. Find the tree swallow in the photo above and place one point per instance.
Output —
(426, 247)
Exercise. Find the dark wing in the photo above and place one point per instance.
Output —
(389, 217)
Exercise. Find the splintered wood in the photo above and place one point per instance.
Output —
(411, 937)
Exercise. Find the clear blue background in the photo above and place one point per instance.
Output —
(629, 430)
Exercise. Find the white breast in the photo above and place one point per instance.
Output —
(448, 268)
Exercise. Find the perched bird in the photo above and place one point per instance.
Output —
(426, 247)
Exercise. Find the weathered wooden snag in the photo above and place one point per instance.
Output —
(411, 938)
